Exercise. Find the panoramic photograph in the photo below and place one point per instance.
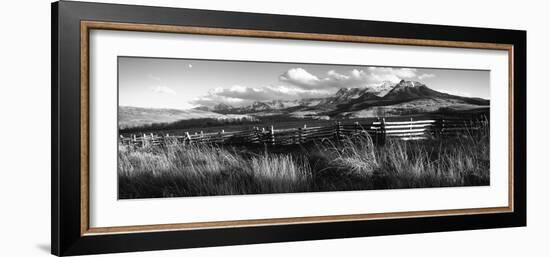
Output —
(192, 127)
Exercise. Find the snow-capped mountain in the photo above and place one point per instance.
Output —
(382, 89)
(409, 89)
(379, 90)
(412, 90)
(347, 100)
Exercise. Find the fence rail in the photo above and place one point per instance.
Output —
(379, 130)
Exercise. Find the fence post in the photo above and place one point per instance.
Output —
(262, 139)
(253, 135)
(383, 130)
(442, 132)
(272, 135)
(303, 137)
(438, 128)
(410, 128)
(188, 137)
(338, 132)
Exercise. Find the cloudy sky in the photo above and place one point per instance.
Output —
(186, 83)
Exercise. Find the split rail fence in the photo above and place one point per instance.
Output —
(379, 131)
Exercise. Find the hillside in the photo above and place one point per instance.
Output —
(129, 117)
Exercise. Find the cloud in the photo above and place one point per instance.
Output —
(426, 76)
(163, 90)
(379, 75)
(239, 95)
(160, 88)
(298, 83)
(301, 78)
(154, 78)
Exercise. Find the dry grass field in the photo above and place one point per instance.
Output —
(351, 164)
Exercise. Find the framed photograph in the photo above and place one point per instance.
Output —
(178, 128)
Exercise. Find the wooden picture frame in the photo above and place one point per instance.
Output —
(71, 25)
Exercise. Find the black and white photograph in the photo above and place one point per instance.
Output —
(275, 128)
(192, 127)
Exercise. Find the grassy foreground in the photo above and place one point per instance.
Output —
(351, 164)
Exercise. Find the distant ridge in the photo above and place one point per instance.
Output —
(129, 117)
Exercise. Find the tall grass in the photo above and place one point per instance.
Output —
(351, 164)
(177, 170)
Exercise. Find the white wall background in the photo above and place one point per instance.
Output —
(25, 127)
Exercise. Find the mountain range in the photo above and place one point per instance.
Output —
(404, 97)
(385, 99)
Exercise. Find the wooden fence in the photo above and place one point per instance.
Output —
(379, 130)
